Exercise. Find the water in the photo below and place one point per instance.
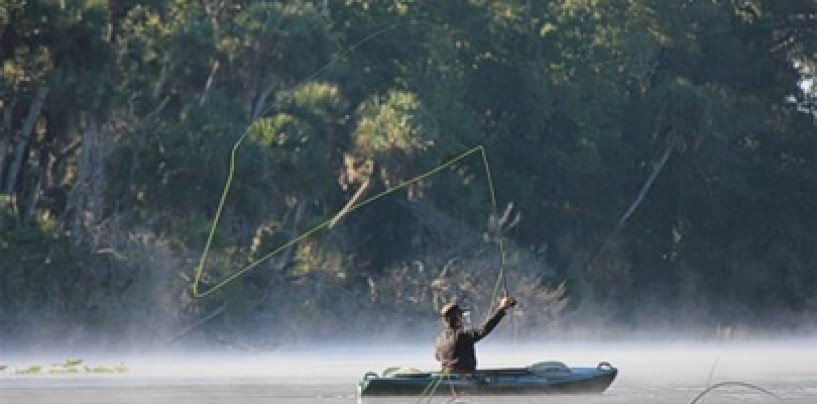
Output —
(674, 373)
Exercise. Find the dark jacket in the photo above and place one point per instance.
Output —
(455, 346)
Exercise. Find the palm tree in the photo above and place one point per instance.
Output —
(679, 113)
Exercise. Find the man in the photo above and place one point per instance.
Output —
(455, 345)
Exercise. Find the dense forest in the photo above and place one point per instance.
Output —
(653, 164)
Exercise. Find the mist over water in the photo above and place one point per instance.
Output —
(648, 373)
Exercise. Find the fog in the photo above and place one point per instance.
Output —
(649, 372)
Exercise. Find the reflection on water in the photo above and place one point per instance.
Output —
(647, 374)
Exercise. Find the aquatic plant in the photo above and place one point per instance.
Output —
(31, 370)
(71, 366)
(72, 362)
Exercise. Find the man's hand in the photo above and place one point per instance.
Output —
(506, 302)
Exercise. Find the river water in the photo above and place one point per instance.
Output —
(648, 373)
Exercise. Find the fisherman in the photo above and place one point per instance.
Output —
(455, 345)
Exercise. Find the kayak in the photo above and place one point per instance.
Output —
(540, 378)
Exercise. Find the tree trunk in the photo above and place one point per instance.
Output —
(259, 109)
(6, 137)
(160, 83)
(25, 137)
(85, 203)
(117, 10)
(28, 212)
(357, 197)
(300, 209)
(209, 83)
(657, 168)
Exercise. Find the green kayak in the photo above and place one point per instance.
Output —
(539, 378)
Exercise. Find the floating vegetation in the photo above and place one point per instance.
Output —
(71, 366)
(31, 370)
(108, 369)
(72, 362)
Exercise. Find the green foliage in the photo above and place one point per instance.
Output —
(260, 39)
(680, 113)
(391, 131)
(575, 101)
(299, 139)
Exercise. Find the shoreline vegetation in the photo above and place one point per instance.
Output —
(655, 167)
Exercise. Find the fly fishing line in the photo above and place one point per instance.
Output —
(501, 281)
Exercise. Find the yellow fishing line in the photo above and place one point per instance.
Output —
(431, 387)
(199, 270)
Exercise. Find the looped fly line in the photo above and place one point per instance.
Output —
(199, 270)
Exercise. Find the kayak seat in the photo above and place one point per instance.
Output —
(549, 368)
(404, 371)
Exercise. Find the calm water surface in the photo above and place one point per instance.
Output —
(647, 374)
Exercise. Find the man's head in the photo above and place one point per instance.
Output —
(452, 315)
